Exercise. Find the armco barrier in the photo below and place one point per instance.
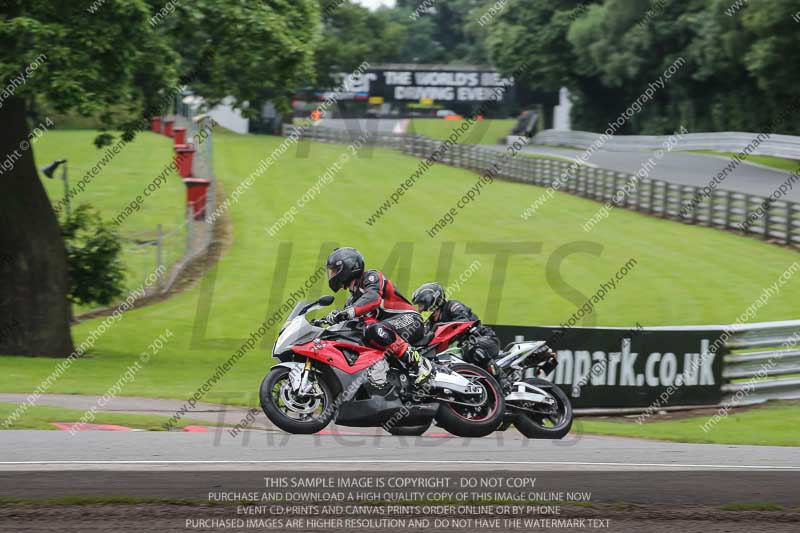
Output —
(763, 363)
(722, 209)
(776, 145)
(623, 370)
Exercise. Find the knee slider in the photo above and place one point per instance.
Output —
(381, 335)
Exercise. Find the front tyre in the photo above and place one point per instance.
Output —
(293, 412)
(477, 420)
(552, 425)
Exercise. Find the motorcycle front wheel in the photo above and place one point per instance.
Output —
(292, 412)
(555, 425)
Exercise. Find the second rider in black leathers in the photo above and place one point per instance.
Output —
(481, 346)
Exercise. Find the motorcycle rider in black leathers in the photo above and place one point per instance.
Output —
(480, 347)
(373, 295)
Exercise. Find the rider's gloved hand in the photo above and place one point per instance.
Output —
(338, 315)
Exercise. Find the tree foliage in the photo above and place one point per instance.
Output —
(124, 60)
(352, 34)
(739, 72)
(95, 269)
(444, 32)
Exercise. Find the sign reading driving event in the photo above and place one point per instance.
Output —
(442, 85)
(600, 367)
(445, 85)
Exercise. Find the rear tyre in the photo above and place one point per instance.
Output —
(483, 418)
(292, 413)
(553, 426)
(504, 425)
(409, 431)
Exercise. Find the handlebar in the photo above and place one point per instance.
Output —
(355, 323)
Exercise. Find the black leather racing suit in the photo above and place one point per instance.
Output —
(482, 345)
(399, 323)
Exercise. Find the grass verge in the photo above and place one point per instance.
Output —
(683, 274)
(116, 188)
(41, 417)
(775, 424)
(487, 131)
(779, 163)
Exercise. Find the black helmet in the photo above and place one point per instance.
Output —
(344, 265)
(429, 297)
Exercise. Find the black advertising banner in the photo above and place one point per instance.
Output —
(413, 83)
(444, 85)
(608, 367)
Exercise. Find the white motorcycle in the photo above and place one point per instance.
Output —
(538, 408)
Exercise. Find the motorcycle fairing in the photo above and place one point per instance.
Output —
(328, 351)
(372, 409)
(445, 333)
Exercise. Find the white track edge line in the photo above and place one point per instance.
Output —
(334, 461)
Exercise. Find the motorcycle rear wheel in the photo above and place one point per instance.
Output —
(547, 427)
(459, 421)
(272, 393)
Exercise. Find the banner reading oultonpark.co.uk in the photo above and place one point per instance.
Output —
(616, 367)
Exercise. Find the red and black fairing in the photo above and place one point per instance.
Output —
(349, 362)
(339, 354)
(446, 334)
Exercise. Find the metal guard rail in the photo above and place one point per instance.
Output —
(775, 145)
(763, 363)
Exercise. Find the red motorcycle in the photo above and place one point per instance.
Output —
(538, 408)
(328, 373)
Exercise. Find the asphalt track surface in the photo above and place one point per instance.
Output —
(342, 448)
(367, 449)
(683, 168)
(675, 167)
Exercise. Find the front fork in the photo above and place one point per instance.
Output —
(299, 378)
(304, 385)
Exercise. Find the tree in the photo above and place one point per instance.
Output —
(129, 55)
(608, 51)
(352, 34)
(95, 270)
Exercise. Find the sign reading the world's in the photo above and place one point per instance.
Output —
(425, 85)
(443, 85)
